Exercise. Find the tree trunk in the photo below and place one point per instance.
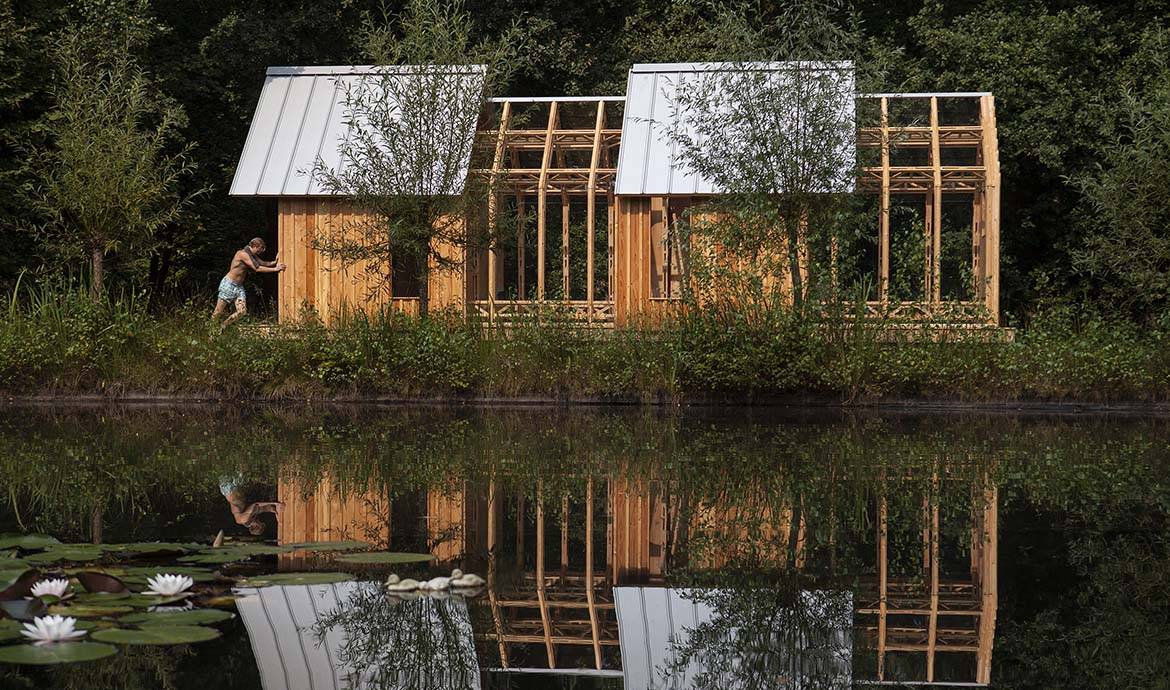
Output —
(95, 526)
(794, 267)
(96, 285)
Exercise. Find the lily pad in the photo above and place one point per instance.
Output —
(58, 653)
(19, 586)
(9, 630)
(23, 609)
(94, 581)
(141, 601)
(89, 610)
(158, 634)
(156, 547)
(27, 542)
(321, 546)
(101, 597)
(7, 563)
(297, 579)
(192, 617)
(384, 558)
(75, 553)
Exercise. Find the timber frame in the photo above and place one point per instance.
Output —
(545, 155)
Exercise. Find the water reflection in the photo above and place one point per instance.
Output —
(354, 635)
(778, 551)
(877, 574)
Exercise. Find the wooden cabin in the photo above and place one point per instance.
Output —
(593, 191)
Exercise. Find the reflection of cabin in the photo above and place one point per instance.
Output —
(593, 203)
(552, 564)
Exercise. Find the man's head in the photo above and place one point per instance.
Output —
(257, 245)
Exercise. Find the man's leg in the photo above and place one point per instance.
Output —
(220, 308)
(241, 310)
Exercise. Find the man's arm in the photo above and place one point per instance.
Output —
(262, 266)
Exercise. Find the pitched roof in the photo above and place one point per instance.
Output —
(649, 162)
(302, 116)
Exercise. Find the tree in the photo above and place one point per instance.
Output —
(1126, 198)
(109, 172)
(777, 141)
(411, 130)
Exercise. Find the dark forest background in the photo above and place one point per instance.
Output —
(1082, 89)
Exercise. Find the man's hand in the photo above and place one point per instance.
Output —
(280, 267)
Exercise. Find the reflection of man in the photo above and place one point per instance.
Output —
(244, 513)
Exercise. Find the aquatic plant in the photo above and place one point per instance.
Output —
(49, 629)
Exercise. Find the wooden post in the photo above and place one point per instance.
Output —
(884, 222)
(988, 583)
(493, 207)
(493, 543)
(589, 595)
(591, 203)
(932, 633)
(564, 537)
(935, 247)
(883, 584)
(542, 198)
(990, 202)
(540, 595)
(520, 532)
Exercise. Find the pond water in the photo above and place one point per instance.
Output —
(620, 548)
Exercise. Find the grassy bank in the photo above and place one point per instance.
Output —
(62, 344)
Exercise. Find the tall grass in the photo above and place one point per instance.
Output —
(56, 341)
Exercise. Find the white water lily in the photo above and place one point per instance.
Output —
(56, 588)
(169, 585)
(49, 629)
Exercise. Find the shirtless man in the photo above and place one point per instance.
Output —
(247, 514)
(231, 288)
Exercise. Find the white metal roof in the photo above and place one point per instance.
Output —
(281, 621)
(648, 163)
(654, 621)
(301, 116)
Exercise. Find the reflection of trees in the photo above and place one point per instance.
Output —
(391, 643)
(767, 636)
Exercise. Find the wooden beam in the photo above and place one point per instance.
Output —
(883, 584)
(591, 203)
(544, 619)
(991, 202)
(542, 199)
(520, 532)
(932, 634)
(493, 543)
(494, 206)
(589, 595)
(988, 582)
(564, 536)
(884, 221)
(935, 246)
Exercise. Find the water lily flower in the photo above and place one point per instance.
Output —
(169, 585)
(58, 587)
(49, 629)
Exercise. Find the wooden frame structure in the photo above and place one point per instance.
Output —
(576, 164)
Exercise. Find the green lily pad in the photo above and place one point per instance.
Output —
(158, 634)
(220, 558)
(384, 558)
(9, 630)
(12, 563)
(10, 575)
(100, 597)
(297, 579)
(153, 547)
(319, 546)
(141, 601)
(89, 610)
(192, 617)
(58, 653)
(75, 553)
(28, 542)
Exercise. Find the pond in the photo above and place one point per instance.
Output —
(633, 548)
